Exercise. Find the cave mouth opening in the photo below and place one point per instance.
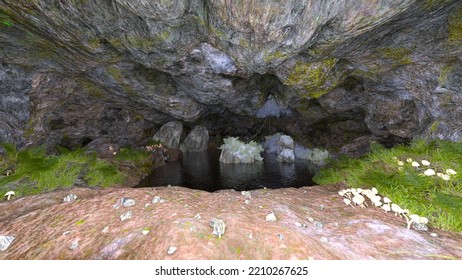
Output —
(204, 171)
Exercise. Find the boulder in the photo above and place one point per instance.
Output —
(169, 134)
(197, 140)
(287, 155)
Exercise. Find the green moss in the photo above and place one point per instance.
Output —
(399, 55)
(5, 20)
(406, 186)
(277, 55)
(117, 75)
(434, 126)
(94, 43)
(80, 222)
(312, 77)
(140, 158)
(443, 77)
(91, 89)
(455, 25)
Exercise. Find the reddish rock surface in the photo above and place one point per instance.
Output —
(38, 224)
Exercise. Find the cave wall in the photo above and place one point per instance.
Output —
(332, 73)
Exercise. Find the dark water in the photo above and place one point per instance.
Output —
(203, 170)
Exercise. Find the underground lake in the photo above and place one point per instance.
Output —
(203, 170)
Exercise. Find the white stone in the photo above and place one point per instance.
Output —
(171, 250)
(271, 217)
(69, 198)
(5, 242)
(126, 216)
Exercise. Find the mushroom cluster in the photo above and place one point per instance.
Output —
(428, 171)
(357, 196)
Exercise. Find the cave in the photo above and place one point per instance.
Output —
(103, 99)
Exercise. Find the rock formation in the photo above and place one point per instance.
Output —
(197, 140)
(329, 74)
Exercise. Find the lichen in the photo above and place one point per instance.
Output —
(434, 126)
(117, 75)
(277, 55)
(91, 89)
(443, 77)
(455, 25)
(398, 55)
(312, 77)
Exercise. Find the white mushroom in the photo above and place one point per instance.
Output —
(425, 162)
(374, 190)
(439, 174)
(446, 177)
(348, 202)
(386, 200)
(359, 200)
(386, 207)
(423, 220)
(429, 172)
(415, 164)
(409, 160)
(376, 201)
(451, 172)
(397, 209)
(9, 194)
(400, 163)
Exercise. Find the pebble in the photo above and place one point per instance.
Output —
(322, 206)
(144, 232)
(146, 205)
(250, 236)
(192, 228)
(420, 226)
(310, 219)
(271, 217)
(336, 224)
(324, 239)
(280, 236)
(171, 250)
(105, 229)
(318, 224)
(127, 202)
(218, 226)
(5, 242)
(66, 232)
(297, 224)
(74, 245)
(186, 206)
(198, 216)
(126, 216)
(157, 199)
(434, 234)
(246, 194)
(115, 206)
(247, 201)
(69, 198)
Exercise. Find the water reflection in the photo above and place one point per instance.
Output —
(203, 170)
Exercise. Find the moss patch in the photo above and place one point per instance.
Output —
(312, 77)
(399, 55)
(455, 25)
(36, 172)
(431, 196)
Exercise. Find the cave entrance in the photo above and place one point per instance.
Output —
(204, 171)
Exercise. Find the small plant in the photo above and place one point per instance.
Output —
(435, 194)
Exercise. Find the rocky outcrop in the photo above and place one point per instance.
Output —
(169, 134)
(196, 141)
(325, 73)
(304, 223)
